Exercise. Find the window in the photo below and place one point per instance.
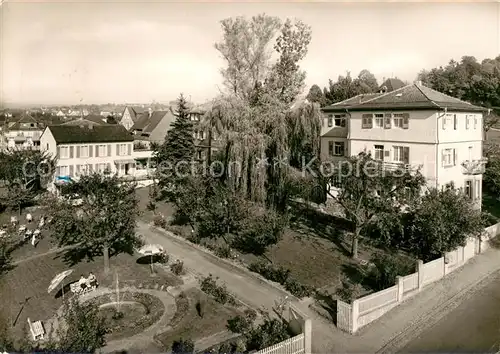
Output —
(339, 148)
(402, 154)
(398, 120)
(340, 120)
(102, 150)
(477, 189)
(63, 170)
(330, 148)
(468, 189)
(475, 122)
(467, 121)
(446, 119)
(84, 151)
(330, 120)
(449, 157)
(199, 155)
(47, 147)
(101, 167)
(379, 120)
(122, 149)
(64, 152)
(379, 152)
(455, 122)
(367, 121)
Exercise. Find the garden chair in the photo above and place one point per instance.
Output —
(36, 329)
(75, 288)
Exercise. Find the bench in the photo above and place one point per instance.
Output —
(36, 329)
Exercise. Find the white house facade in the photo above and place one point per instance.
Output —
(89, 148)
(413, 126)
(23, 134)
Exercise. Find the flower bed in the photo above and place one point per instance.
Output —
(126, 326)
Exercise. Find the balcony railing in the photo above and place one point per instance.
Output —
(474, 167)
(393, 166)
(142, 147)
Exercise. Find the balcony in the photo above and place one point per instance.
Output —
(393, 166)
(474, 167)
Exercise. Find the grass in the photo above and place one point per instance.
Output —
(315, 247)
(188, 324)
(24, 289)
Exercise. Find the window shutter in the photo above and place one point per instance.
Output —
(387, 153)
(466, 122)
(71, 152)
(71, 170)
(129, 149)
(330, 147)
(97, 168)
(444, 122)
(406, 155)
(366, 121)
(91, 150)
(442, 158)
(387, 120)
(455, 157)
(77, 152)
(406, 120)
(78, 168)
(117, 149)
(58, 151)
(455, 122)
(97, 151)
(109, 150)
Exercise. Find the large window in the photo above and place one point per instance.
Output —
(379, 120)
(398, 120)
(340, 120)
(339, 148)
(367, 121)
(102, 151)
(122, 149)
(449, 157)
(379, 152)
(402, 154)
(64, 152)
(84, 151)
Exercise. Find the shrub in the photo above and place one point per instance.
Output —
(349, 292)
(385, 269)
(297, 289)
(222, 251)
(151, 206)
(159, 221)
(271, 332)
(182, 346)
(242, 324)
(274, 273)
(200, 307)
(177, 268)
(219, 292)
(163, 258)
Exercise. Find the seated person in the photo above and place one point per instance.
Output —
(29, 218)
(82, 282)
(92, 280)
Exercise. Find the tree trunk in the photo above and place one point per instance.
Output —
(105, 253)
(355, 239)
(209, 154)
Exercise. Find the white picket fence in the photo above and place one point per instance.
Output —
(294, 345)
(351, 317)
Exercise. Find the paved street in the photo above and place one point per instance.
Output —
(474, 326)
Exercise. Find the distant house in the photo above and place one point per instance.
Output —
(90, 119)
(24, 133)
(130, 116)
(391, 84)
(152, 126)
(206, 140)
(82, 149)
(60, 113)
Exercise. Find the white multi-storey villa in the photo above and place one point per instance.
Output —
(413, 126)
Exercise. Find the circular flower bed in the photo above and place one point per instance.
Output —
(136, 312)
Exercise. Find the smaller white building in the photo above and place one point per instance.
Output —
(87, 148)
(23, 134)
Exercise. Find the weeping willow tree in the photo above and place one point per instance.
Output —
(260, 124)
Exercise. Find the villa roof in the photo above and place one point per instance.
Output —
(74, 134)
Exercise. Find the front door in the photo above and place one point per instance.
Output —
(126, 168)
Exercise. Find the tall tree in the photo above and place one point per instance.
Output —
(253, 110)
(316, 95)
(175, 155)
(103, 222)
(346, 87)
(24, 173)
(366, 190)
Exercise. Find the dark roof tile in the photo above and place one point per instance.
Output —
(74, 134)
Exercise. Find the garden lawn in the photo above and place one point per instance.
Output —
(27, 284)
(191, 325)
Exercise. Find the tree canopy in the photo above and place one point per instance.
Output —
(104, 220)
(346, 87)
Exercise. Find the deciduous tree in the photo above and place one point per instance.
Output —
(367, 190)
(316, 95)
(103, 222)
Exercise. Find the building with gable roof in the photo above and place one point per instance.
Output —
(130, 115)
(23, 133)
(415, 127)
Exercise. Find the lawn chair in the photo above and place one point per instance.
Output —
(36, 329)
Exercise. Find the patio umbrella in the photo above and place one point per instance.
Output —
(151, 250)
(58, 279)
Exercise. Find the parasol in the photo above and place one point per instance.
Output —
(58, 279)
(151, 250)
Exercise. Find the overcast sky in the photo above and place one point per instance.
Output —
(138, 52)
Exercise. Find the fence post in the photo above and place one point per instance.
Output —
(399, 282)
(355, 315)
(420, 270)
(446, 260)
(308, 336)
(463, 254)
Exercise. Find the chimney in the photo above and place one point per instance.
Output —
(150, 112)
